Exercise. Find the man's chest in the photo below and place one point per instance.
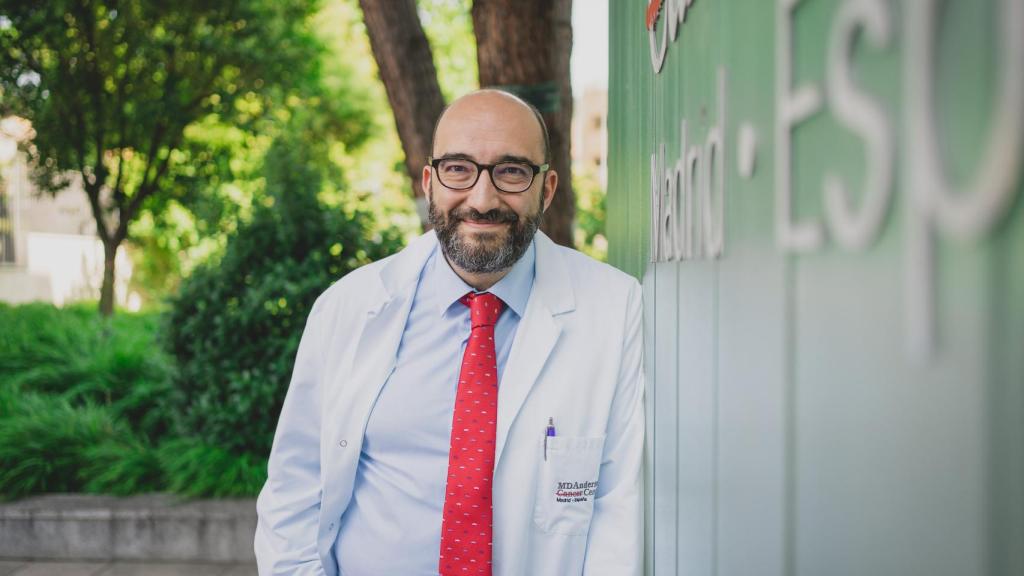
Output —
(413, 412)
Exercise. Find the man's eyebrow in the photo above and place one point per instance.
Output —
(502, 158)
(456, 156)
(514, 158)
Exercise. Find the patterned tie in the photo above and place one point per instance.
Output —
(466, 519)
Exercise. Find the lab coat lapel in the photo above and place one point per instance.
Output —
(536, 336)
(384, 323)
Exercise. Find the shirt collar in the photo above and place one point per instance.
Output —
(513, 289)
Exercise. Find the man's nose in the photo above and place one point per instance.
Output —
(483, 196)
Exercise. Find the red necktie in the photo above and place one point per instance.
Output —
(466, 519)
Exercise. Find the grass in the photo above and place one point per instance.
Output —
(85, 406)
(45, 444)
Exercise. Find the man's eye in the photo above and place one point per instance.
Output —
(455, 168)
(513, 170)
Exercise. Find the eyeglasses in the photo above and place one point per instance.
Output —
(462, 174)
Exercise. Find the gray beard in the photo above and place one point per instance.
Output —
(483, 257)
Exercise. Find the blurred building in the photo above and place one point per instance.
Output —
(590, 134)
(48, 246)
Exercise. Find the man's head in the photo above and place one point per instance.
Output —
(484, 228)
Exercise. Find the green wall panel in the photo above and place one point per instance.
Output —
(846, 399)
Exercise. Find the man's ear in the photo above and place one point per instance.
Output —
(550, 186)
(425, 181)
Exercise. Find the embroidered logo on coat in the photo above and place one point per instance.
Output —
(575, 491)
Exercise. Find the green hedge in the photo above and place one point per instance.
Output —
(87, 405)
(82, 400)
(79, 357)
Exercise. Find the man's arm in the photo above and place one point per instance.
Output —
(289, 504)
(615, 542)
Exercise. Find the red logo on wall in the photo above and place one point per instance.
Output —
(653, 9)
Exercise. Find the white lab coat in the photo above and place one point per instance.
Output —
(576, 358)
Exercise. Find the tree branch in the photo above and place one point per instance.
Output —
(122, 137)
(93, 80)
(146, 189)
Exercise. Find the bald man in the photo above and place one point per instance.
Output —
(472, 404)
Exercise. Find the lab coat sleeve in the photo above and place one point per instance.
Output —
(288, 507)
(615, 541)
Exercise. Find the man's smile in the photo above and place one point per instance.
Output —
(483, 224)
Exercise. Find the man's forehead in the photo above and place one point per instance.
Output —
(488, 124)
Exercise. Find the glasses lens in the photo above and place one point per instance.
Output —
(455, 173)
(513, 176)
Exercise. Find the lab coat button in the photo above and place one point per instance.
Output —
(343, 443)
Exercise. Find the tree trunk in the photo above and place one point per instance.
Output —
(523, 46)
(107, 289)
(406, 67)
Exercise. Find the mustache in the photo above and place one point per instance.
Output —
(495, 215)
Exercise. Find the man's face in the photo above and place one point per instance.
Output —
(482, 229)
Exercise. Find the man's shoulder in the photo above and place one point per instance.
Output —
(595, 283)
(596, 273)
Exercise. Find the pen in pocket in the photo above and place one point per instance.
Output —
(550, 432)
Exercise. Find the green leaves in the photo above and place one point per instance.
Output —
(78, 357)
(86, 405)
(45, 444)
(236, 323)
(198, 469)
(82, 401)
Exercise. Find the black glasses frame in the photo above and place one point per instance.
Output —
(434, 162)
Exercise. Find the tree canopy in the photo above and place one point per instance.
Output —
(112, 86)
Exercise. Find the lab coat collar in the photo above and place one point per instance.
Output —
(401, 272)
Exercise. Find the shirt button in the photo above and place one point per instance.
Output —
(343, 443)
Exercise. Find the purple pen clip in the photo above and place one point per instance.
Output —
(549, 433)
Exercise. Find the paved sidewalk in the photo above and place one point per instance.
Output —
(40, 568)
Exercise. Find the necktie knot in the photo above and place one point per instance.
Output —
(484, 308)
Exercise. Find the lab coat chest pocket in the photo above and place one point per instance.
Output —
(568, 483)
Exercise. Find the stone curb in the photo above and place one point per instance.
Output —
(158, 527)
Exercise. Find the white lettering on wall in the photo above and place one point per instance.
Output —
(688, 198)
(863, 115)
(792, 106)
(675, 16)
(963, 214)
(713, 222)
(746, 153)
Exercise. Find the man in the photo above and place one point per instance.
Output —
(473, 404)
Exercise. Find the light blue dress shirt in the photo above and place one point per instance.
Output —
(393, 524)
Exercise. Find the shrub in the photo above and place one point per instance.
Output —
(123, 466)
(85, 359)
(46, 443)
(194, 468)
(36, 337)
(235, 325)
